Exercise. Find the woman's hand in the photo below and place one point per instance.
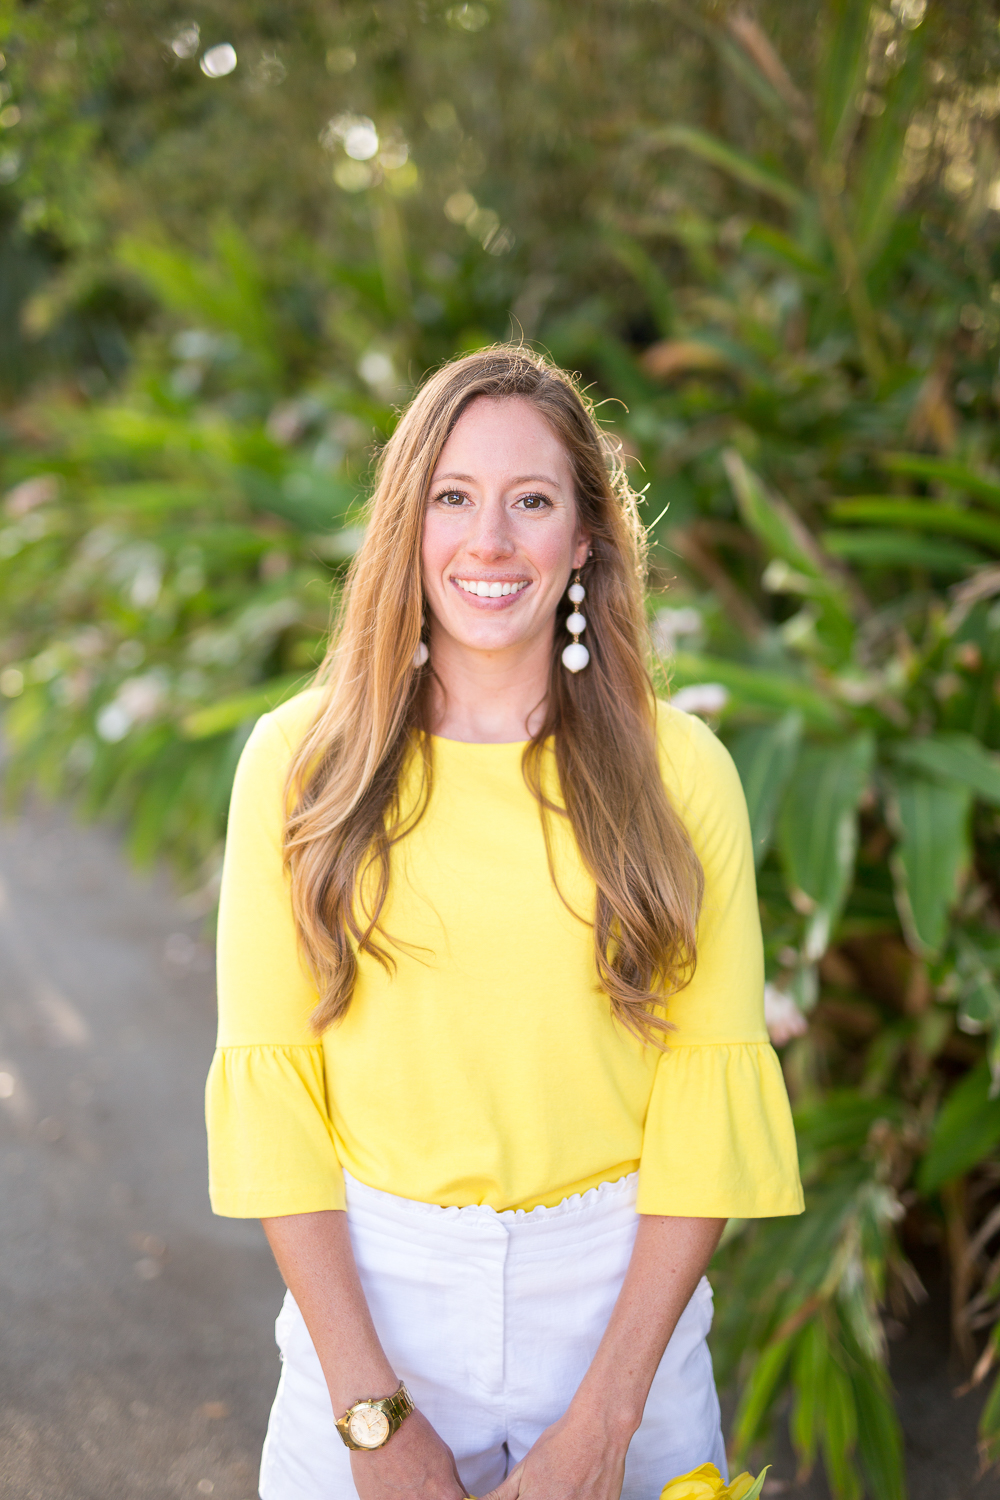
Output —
(314, 1256)
(414, 1465)
(572, 1460)
(582, 1456)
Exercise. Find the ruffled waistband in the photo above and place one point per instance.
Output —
(606, 1207)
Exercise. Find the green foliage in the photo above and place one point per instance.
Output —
(831, 543)
(786, 280)
(765, 755)
(818, 831)
(966, 1129)
(757, 1488)
(932, 857)
(957, 759)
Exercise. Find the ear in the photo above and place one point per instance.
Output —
(582, 551)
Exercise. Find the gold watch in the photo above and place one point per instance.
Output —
(371, 1423)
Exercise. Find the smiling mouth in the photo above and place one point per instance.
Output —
(485, 588)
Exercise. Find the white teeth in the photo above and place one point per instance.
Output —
(486, 590)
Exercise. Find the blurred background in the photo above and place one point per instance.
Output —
(233, 238)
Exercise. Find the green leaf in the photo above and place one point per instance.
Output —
(978, 995)
(877, 170)
(812, 1350)
(775, 242)
(736, 58)
(818, 833)
(770, 519)
(764, 756)
(954, 757)
(880, 1440)
(757, 1488)
(901, 549)
(116, 430)
(647, 273)
(924, 515)
(756, 687)
(226, 715)
(931, 820)
(840, 1434)
(944, 471)
(841, 72)
(153, 496)
(759, 1394)
(243, 279)
(840, 1121)
(746, 169)
(310, 501)
(227, 293)
(785, 537)
(979, 1005)
(966, 1131)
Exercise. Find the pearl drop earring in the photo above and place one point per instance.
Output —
(576, 656)
(421, 654)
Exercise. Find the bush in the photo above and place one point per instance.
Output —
(804, 337)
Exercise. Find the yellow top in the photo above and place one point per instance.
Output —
(487, 1068)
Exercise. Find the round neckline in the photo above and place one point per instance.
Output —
(441, 739)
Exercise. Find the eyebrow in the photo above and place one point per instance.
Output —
(521, 479)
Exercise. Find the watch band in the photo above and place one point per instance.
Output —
(381, 1416)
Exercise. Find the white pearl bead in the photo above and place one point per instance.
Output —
(577, 593)
(421, 654)
(575, 657)
(575, 623)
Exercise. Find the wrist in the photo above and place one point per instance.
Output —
(368, 1424)
(359, 1383)
(615, 1418)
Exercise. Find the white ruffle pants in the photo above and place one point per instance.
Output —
(492, 1319)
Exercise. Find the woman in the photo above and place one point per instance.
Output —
(492, 1063)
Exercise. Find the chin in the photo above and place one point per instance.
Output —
(491, 643)
(486, 640)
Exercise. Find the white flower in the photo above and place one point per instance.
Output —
(31, 493)
(376, 369)
(701, 698)
(137, 701)
(782, 1016)
(668, 624)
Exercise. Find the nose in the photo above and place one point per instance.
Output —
(491, 540)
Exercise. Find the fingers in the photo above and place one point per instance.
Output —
(510, 1487)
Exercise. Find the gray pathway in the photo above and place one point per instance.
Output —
(136, 1349)
(136, 1330)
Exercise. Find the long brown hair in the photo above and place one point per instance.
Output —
(343, 784)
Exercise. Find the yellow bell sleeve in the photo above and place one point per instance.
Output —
(718, 1140)
(270, 1144)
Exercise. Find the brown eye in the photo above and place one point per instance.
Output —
(534, 502)
(452, 498)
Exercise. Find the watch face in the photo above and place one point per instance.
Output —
(369, 1427)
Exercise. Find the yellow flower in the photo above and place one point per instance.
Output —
(741, 1486)
(707, 1483)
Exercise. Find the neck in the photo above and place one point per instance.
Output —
(488, 697)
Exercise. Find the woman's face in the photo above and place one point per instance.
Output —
(501, 532)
